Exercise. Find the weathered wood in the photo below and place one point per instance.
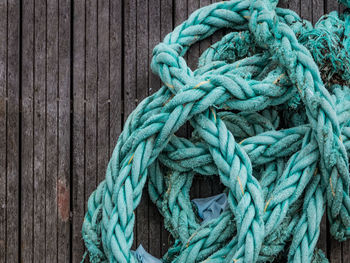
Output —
(306, 9)
(79, 109)
(116, 72)
(130, 53)
(346, 251)
(39, 130)
(170, 16)
(179, 14)
(324, 236)
(11, 63)
(192, 61)
(335, 251)
(295, 5)
(317, 10)
(51, 251)
(64, 130)
(216, 187)
(331, 6)
(102, 88)
(142, 70)
(79, 99)
(91, 98)
(3, 128)
(27, 158)
(283, 3)
(154, 38)
(57, 135)
(205, 187)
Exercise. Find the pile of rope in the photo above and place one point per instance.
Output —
(270, 109)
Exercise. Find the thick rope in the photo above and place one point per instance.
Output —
(270, 108)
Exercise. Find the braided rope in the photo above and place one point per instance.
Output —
(271, 71)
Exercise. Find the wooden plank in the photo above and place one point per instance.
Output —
(205, 185)
(130, 53)
(142, 67)
(51, 132)
(91, 98)
(180, 14)
(170, 15)
(193, 52)
(155, 219)
(218, 34)
(216, 186)
(64, 90)
(283, 3)
(39, 129)
(206, 43)
(306, 10)
(129, 57)
(91, 71)
(142, 213)
(335, 251)
(27, 136)
(103, 89)
(295, 5)
(341, 8)
(9, 130)
(324, 235)
(345, 247)
(331, 5)
(116, 72)
(3, 128)
(79, 203)
(116, 76)
(192, 61)
(317, 10)
(13, 141)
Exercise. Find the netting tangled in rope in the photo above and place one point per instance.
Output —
(270, 109)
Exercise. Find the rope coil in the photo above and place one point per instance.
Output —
(270, 108)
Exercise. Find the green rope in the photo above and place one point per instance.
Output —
(270, 108)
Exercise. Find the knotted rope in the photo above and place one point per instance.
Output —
(270, 108)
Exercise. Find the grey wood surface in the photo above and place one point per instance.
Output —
(71, 71)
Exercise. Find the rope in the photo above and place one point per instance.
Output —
(270, 108)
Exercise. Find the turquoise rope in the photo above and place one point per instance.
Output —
(270, 108)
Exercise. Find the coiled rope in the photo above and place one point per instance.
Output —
(270, 108)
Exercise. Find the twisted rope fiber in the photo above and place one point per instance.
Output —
(270, 108)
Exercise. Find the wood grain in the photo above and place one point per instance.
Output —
(142, 69)
(70, 74)
(170, 16)
(154, 37)
(79, 126)
(51, 199)
(64, 131)
(13, 132)
(3, 128)
(39, 132)
(27, 136)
